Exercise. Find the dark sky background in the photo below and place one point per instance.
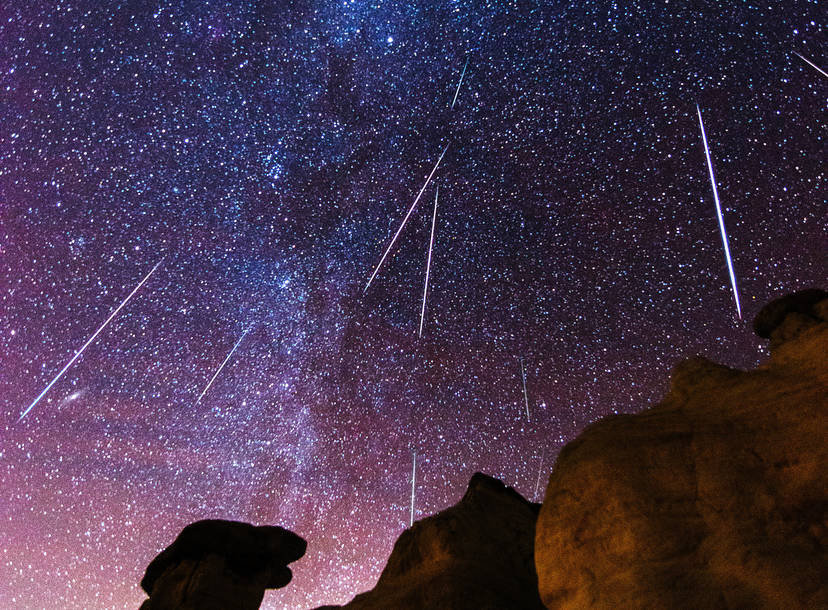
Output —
(268, 151)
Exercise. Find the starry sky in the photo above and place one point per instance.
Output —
(266, 152)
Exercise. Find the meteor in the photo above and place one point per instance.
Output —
(413, 478)
(812, 64)
(222, 366)
(719, 214)
(540, 471)
(462, 74)
(397, 234)
(90, 340)
(428, 263)
(525, 395)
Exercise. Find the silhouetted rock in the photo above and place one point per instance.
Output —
(476, 554)
(215, 565)
(785, 318)
(715, 498)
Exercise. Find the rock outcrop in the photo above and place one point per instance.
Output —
(715, 498)
(214, 565)
(476, 554)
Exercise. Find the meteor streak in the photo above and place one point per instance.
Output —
(540, 471)
(413, 478)
(525, 395)
(90, 340)
(397, 234)
(719, 214)
(222, 366)
(428, 263)
(812, 64)
(462, 74)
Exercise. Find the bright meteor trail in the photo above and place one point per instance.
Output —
(411, 209)
(462, 74)
(719, 214)
(428, 263)
(812, 64)
(90, 340)
(222, 366)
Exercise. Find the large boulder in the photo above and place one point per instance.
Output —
(214, 565)
(715, 498)
(476, 554)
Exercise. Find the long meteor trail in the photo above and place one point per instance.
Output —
(413, 479)
(719, 214)
(462, 74)
(812, 64)
(91, 339)
(207, 387)
(397, 234)
(428, 263)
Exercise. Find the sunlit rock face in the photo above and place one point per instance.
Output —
(215, 565)
(476, 554)
(715, 498)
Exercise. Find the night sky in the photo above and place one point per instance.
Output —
(268, 152)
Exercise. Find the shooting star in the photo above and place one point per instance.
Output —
(428, 263)
(540, 471)
(397, 234)
(812, 64)
(91, 339)
(525, 395)
(719, 214)
(413, 479)
(222, 366)
(462, 74)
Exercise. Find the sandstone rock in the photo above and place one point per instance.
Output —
(215, 565)
(476, 554)
(715, 498)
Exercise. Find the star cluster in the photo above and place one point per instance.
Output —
(266, 152)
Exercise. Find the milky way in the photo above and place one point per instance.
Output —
(268, 151)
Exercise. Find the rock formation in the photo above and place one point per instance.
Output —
(215, 565)
(787, 317)
(476, 554)
(715, 498)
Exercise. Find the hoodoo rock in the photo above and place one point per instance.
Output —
(715, 498)
(214, 565)
(786, 318)
(476, 554)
